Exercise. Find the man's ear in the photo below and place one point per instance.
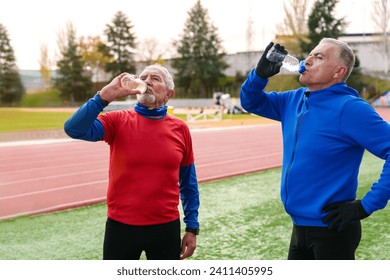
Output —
(340, 72)
(171, 93)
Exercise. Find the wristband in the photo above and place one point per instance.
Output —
(193, 230)
(104, 102)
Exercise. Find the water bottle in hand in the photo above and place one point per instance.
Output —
(289, 62)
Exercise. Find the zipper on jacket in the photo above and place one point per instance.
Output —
(295, 145)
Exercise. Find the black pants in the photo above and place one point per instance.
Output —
(320, 243)
(126, 242)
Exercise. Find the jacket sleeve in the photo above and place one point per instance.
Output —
(367, 129)
(189, 195)
(255, 100)
(83, 124)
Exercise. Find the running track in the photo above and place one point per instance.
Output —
(48, 177)
(45, 177)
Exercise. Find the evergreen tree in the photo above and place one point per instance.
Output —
(73, 83)
(322, 23)
(11, 87)
(120, 45)
(201, 59)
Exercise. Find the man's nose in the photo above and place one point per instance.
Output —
(308, 61)
(148, 81)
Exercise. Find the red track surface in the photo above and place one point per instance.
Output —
(50, 177)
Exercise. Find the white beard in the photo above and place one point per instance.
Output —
(146, 98)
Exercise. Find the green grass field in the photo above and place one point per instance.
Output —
(241, 218)
(17, 119)
(22, 119)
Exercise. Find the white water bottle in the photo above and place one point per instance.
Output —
(132, 82)
(289, 62)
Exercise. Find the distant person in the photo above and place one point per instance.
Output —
(151, 166)
(226, 102)
(326, 128)
(217, 98)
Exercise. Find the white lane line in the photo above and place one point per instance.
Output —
(52, 190)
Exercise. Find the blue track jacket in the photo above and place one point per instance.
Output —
(324, 138)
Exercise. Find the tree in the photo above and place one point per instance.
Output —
(45, 66)
(151, 51)
(11, 87)
(92, 55)
(120, 45)
(322, 23)
(294, 28)
(381, 16)
(201, 58)
(72, 81)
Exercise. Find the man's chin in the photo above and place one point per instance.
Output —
(302, 79)
(146, 98)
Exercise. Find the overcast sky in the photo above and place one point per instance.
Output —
(31, 23)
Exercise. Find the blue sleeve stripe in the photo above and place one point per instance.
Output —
(83, 124)
(189, 195)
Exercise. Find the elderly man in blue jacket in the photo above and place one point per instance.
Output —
(326, 129)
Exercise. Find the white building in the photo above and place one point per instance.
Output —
(369, 50)
(367, 47)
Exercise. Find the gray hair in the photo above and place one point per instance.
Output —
(346, 54)
(168, 77)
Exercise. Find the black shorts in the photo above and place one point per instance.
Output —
(127, 242)
(320, 243)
